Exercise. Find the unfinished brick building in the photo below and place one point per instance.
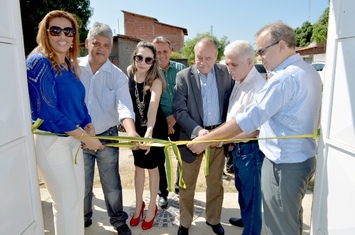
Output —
(147, 28)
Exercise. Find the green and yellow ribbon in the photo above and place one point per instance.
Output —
(170, 147)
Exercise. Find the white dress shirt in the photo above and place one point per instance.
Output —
(107, 95)
(243, 93)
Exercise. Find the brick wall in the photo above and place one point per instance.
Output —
(147, 28)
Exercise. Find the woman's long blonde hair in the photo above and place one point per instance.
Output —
(45, 47)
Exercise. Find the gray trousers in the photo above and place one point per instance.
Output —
(283, 187)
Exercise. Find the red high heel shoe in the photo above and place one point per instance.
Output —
(147, 225)
(135, 221)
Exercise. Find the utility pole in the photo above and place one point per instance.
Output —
(309, 9)
(118, 24)
(211, 30)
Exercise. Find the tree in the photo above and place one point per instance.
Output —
(320, 28)
(33, 11)
(304, 34)
(188, 49)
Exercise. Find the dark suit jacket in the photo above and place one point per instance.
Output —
(188, 106)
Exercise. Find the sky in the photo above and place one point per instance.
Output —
(235, 19)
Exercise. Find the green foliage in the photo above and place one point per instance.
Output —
(188, 49)
(304, 34)
(317, 32)
(33, 11)
(176, 55)
(320, 28)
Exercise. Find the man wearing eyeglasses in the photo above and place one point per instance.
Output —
(108, 101)
(200, 104)
(288, 105)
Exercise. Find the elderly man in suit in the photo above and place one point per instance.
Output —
(200, 105)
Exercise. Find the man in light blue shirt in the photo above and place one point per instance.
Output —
(200, 104)
(289, 104)
(109, 103)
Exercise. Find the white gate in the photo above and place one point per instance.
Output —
(334, 195)
(20, 203)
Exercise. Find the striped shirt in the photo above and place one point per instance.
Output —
(107, 95)
(210, 99)
(243, 93)
(289, 104)
(166, 100)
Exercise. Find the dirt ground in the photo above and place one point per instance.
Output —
(126, 168)
(127, 174)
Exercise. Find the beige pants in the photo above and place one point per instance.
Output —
(214, 191)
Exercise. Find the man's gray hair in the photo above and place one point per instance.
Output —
(279, 31)
(162, 39)
(243, 49)
(100, 29)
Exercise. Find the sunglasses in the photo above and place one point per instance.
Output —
(261, 51)
(56, 31)
(139, 59)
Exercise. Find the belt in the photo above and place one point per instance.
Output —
(249, 142)
(113, 128)
(211, 127)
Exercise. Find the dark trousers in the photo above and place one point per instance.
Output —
(284, 186)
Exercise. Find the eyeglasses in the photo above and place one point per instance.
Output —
(139, 59)
(99, 44)
(56, 31)
(261, 51)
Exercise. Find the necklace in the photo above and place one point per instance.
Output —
(140, 104)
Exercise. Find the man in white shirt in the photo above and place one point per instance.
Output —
(247, 158)
(109, 103)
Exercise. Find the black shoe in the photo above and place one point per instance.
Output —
(88, 223)
(217, 229)
(163, 202)
(236, 222)
(230, 170)
(123, 230)
(225, 176)
(183, 231)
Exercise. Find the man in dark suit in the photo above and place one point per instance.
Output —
(200, 105)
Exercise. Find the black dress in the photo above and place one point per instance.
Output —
(160, 131)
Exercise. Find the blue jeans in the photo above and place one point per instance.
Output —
(247, 162)
(108, 165)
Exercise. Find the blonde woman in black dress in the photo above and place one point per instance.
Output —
(146, 84)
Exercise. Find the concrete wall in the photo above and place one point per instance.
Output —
(123, 49)
(121, 53)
